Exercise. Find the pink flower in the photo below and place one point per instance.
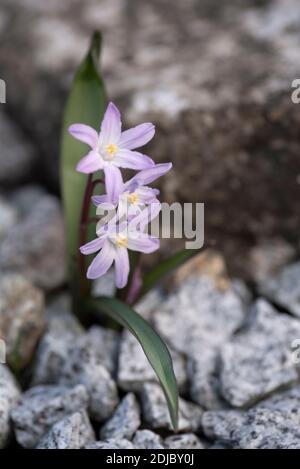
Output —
(132, 196)
(113, 242)
(111, 148)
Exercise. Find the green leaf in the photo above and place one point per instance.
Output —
(167, 266)
(86, 104)
(153, 346)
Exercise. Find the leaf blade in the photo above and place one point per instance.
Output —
(153, 346)
(85, 104)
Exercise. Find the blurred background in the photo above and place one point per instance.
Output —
(216, 79)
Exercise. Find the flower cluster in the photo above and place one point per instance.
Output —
(133, 203)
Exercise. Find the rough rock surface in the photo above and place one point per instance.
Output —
(273, 424)
(156, 413)
(35, 246)
(203, 372)
(210, 315)
(146, 439)
(9, 398)
(206, 318)
(185, 441)
(284, 288)
(125, 421)
(22, 318)
(17, 153)
(41, 407)
(85, 367)
(259, 360)
(8, 217)
(134, 369)
(72, 432)
(111, 444)
(105, 343)
(56, 344)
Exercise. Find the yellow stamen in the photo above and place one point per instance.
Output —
(122, 241)
(133, 198)
(111, 149)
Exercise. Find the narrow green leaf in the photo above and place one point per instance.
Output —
(153, 346)
(165, 267)
(86, 104)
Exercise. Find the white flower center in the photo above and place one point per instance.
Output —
(122, 241)
(109, 151)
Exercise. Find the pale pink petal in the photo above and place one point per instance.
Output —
(142, 242)
(113, 182)
(92, 246)
(91, 163)
(146, 195)
(145, 216)
(102, 261)
(85, 134)
(121, 266)
(149, 175)
(132, 160)
(99, 199)
(111, 126)
(137, 136)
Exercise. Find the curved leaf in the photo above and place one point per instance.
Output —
(153, 346)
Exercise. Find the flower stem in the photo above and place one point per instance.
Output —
(84, 219)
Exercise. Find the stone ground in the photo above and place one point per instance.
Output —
(216, 79)
(236, 357)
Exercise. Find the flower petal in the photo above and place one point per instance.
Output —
(146, 195)
(149, 175)
(132, 160)
(145, 216)
(85, 134)
(137, 136)
(102, 261)
(92, 246)
(121, 266)
(111, 126)
(142, 242)
(113, 182)
(91, 163)
(99, 199)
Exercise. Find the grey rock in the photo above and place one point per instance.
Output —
(273, 424)
(259, 359)
(146, 439)
(25, 198)
(185, 441)
(105, 285)
(284, 288)
(22, 320)
(85, 367)
(125, 421)
(105, 343)
(17, 154)
(201, 312)
(268, 256)
(134, 369)
(41, 407)
(111, 444)
(56, 344)
(9, 397)
(8, 217)
(251, 372)
(35, 246)
(203, 373)
(149, 303)
(156, 414)
(72, 432)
